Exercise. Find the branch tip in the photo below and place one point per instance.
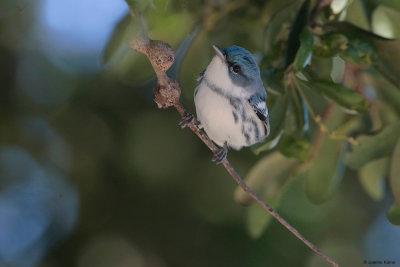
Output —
(166, 95)
(140, 44)
(160, 54)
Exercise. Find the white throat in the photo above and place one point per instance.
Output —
(217, 73)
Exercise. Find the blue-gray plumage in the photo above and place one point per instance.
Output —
(230, 100)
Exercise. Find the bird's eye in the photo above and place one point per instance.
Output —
(236, 68)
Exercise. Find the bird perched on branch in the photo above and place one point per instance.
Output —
(230, 101)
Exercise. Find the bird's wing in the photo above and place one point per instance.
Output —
(257, 102)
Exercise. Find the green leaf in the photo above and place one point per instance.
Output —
(330, 44)
(327, 170)
(338, 6)
(388, 52)
(355, 13)
(295, 140)
(267, 178)
(319, 69)
(390, 95)
(324, 171)
(395, 4)
(359, 51)
(393, 214)
(297, 26)
(257, 220)
(277, 116)
(294, 147)
(116, 38)
(130, 3)
(181, 52)
(304, 53)
(373, 146)
(350, 30)
(395, 173)
(340, 94)
(369, 8)
(266, 145)
(385, 55)
(273, 58)
(300, 112)
(372, 177)
(385, 22)
(273, 80)
(274, 26)
(338, 69)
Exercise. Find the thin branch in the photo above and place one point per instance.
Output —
(167, 93)
(320, 134)
(291, 80)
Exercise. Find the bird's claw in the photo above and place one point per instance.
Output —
(186, 119)
(220, 154)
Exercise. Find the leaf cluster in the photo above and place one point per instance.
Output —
(332, 71)
(333, 78)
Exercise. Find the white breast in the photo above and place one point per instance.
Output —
(223, 122)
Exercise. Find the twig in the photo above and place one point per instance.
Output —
(167, 93)
(320, 134)
(291, 81)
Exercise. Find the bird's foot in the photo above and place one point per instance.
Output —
(187, 119)
(220, 154)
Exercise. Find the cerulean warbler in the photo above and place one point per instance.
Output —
(230, 100)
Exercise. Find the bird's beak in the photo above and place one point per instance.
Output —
(219, 53)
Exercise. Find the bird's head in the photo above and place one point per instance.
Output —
(234, 67)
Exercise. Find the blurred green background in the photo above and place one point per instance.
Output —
(93, 174)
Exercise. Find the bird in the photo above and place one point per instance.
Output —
(230, 101)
